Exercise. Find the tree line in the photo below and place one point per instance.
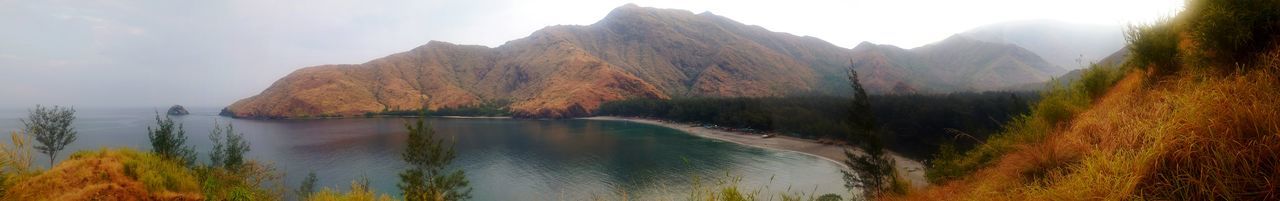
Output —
(914, 125)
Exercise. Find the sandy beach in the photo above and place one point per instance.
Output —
(914, 170)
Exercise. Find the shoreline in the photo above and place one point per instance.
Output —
(912, 170)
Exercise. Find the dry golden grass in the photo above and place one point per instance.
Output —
(104, 175)
(359, 192)
(1194, 136)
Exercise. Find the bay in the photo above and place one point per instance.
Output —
(505, 159)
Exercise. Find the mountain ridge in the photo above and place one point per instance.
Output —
(634, 52)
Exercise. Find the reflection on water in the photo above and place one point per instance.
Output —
(504, 159)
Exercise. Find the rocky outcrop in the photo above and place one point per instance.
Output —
(177, 110)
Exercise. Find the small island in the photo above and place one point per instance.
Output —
(177, 110)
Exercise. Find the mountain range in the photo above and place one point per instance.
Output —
(638, 52)
(1068, 45)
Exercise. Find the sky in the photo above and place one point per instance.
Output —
(121, 53)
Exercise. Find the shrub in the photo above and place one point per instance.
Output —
(359, 192)
(1154, 47)
(228, 147)
(1232, 31)
(250, 181)
(170, 142)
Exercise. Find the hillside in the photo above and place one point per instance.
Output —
(958, 63)
(122, 174)
(1067, 45)
(1190, 115)
(634, 52)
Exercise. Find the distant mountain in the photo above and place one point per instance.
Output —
(958, 63)
(1060, 43)
(1115, 60)
(566, 71)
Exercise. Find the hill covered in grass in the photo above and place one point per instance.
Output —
(1191, 115)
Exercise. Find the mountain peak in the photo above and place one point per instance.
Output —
(864, 45)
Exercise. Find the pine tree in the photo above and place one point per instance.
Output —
(873, 171)
(169, 142)
(426, 178)
(228, 147)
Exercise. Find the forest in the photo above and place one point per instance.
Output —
(914, 125)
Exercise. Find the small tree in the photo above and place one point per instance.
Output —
(426, 178)
(169, 142)
(308, 186)
(228, 147)
(52, 128)
(873, 171)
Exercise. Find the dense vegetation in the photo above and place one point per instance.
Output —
(808, 117)
(492, 108)
(914, 125)
(873, 171)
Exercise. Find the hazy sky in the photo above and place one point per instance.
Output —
(109, 53)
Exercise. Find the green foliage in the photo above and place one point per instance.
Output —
(829, 197)
(872, 171)
(52, 128)
(915, 125)
(169, 142)
(809, 117)
(860, 119)
(1058, 105)
(1154, 47)
(1233, 31)
(228, 147)
(912, 124)
(427, 177)
(230, 177)
(491, 108)
(308, 186)
(250, 181)
(945, 164)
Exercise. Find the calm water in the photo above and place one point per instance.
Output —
(504, 159)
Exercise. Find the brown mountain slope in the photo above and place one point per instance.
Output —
(564, 71)
(958, 63)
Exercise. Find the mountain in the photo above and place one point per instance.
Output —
(634, 52)
(1060, 43)
(958, 63)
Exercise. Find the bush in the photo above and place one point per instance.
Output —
(251, 181)
(1154, 47)
(359, 192)
(170, 142)
(228, 147)
(1232, 31)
